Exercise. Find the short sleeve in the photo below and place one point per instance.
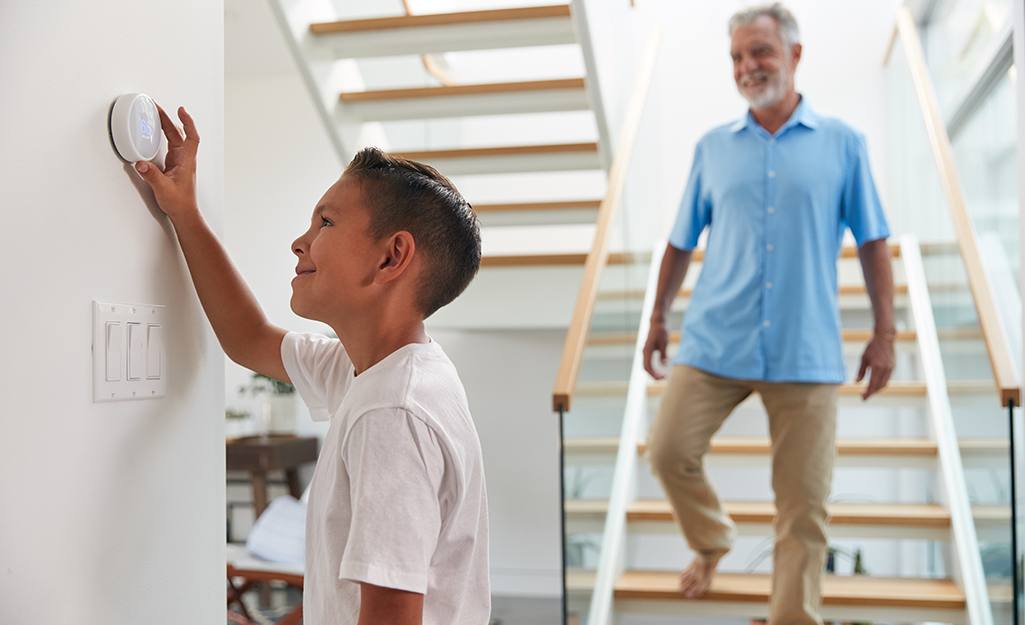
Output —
(395, 468)
(319, 369)
(861, 209)
(695, 209)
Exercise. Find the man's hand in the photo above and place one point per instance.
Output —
(175, 187)
(658, 341)
(879, 358)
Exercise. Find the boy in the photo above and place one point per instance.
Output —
(397, 528)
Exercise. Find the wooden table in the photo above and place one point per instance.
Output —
(259, 454)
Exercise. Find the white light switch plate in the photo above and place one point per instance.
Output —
(125, 369)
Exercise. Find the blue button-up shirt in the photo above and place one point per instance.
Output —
(776, 206)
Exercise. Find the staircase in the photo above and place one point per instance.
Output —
(343, 60)
(920, 493)
(913, 520)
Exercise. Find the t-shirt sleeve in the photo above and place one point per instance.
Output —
(395, 466)
(319, 368)
(861, 209)
(695, 209)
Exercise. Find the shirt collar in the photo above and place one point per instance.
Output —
(803, 115)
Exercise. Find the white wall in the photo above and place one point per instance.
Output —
(111, 513)
(279, 162)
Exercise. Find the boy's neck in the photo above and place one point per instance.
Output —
(369, 344)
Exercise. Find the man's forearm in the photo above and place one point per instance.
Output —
(670, 278)
(878, 269)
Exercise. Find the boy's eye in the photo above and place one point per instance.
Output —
(325, 222)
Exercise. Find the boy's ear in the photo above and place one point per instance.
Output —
(399, 250)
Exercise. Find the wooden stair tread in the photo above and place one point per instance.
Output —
(900, 514)
(461, 90)
(519, 150)
(441, 19)
(897, 388)
(531, 206)
(859, 590)
(621, 338)
(510, 159)
(850, 289)
(847, 251)
(844, 446)
(548, 260)
(916, 515)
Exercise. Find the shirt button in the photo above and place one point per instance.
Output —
(772, 209)
(772, 141)
(769, 247)
(768, 285)
(766, 323)
(772, 174)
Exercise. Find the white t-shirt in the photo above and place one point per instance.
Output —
(397, 499)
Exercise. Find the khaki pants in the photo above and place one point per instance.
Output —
(802, 424)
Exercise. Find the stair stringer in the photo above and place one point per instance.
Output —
(966, 570)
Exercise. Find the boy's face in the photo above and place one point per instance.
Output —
(337, 259)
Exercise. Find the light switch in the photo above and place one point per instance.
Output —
(113, 342)
(136, 351)
(154, 351)
(129, 355)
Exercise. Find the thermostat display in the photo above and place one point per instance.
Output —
(134, 126)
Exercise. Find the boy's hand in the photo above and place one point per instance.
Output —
(175, 187)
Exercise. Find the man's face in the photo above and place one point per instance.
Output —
(763, 67)
(336, 257)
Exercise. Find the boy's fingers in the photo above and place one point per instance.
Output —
(191, 133)
(174, 136)
(151, 174)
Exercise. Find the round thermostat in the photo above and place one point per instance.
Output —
(134, 126)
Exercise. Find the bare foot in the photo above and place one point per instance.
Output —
(696, 580)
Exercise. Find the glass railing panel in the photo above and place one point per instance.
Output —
(986, 151)
(955, 39)
(918, 205)
(593, 426)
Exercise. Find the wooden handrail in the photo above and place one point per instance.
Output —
(576, 338)
(1004, 371)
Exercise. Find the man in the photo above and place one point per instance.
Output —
(776, 189)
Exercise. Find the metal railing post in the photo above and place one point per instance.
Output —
(562, 519)
(1015, 573)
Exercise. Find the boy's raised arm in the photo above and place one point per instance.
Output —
(244, 332)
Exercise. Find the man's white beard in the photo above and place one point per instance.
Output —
(774, 91)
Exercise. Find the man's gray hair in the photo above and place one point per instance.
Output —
(784, 19)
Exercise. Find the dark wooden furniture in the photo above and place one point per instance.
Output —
(260, 454)
(249, 578)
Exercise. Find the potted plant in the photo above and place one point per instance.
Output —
(279, 405)
(237, 423)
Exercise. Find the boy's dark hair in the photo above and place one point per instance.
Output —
(401, 194)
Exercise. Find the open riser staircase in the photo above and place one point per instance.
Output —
(888, 500)
(920, 526)
(919, 505)
(418, 84)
